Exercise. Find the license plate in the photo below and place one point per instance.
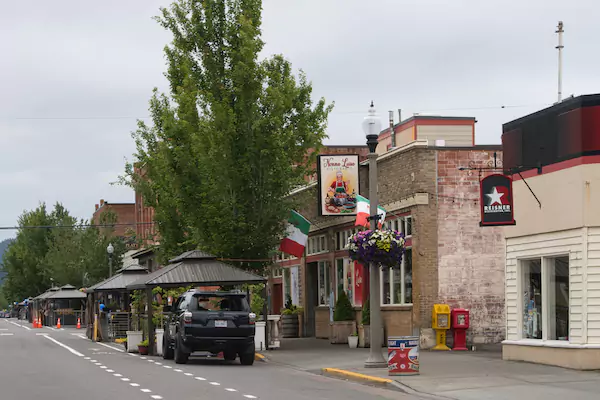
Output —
(220, 324)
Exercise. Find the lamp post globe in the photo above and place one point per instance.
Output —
(110, 250)
(372, 128)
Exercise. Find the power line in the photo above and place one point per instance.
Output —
(16, 228)
(124, 117)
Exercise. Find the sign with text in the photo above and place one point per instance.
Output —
(496, 198)
(338, 184)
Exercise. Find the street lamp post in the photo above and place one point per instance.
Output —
(110, 250)
(372, 128)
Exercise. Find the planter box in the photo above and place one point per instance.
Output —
(133, 338)
(259, 336)
(364, 336)
(290, 326)
(158, 335)
(340, 330)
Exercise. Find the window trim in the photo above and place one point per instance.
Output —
(391, 283)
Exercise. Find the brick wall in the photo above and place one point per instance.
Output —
(125, 213)
(470, 257)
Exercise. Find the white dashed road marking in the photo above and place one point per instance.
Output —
(200, 378)
(6, 334)
(111, 347)
(249, 396)
(215, 383)
(126, 380)
(135, 384)
(230, 390)
(156, 397)
(146, 390)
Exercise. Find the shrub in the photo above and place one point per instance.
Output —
(366, 313)
(343, 308)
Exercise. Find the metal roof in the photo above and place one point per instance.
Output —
(196, 271)
(192, 255)
(132, 268)
(68, 287)
(67, 294)
(46, 293)
(119, 281)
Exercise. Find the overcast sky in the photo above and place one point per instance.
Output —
(75, 75)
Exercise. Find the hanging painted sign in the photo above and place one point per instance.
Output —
(338, 184)
(496, 198)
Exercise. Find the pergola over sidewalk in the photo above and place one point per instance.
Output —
(192, 268)
(116, 284)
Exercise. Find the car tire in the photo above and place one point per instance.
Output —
(229, 355)
(247, 357)
(181, 357)
(168, 353)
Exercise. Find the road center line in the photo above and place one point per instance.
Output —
(64, 346)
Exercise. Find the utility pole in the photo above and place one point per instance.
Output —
(392, 133)
(560, 46)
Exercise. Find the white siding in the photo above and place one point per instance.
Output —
(592, 282)
(454, 135)
(548, 244)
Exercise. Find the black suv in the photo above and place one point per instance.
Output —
(210, 321)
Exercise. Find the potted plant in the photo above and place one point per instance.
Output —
(343, 320)
(353, 340)
(381, 247)
(289, 320)
(143, 347)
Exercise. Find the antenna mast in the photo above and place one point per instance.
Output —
(560, 46)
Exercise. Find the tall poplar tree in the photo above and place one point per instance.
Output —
(231, 138)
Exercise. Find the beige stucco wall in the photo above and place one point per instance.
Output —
(569, 197)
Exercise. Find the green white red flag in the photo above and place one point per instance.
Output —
(363, 211)
(296, 236)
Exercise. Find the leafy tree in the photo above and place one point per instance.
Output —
(230, 140)
(64, 251)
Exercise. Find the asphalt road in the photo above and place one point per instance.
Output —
(64, 365)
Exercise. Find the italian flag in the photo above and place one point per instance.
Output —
(363, 211)
(297, 234)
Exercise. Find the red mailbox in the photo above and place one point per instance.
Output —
(460, 324)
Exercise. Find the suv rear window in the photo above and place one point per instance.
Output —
(219, 303)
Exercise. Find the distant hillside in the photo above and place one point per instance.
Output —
(3, 246)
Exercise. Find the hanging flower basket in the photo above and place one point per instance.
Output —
(382, 247)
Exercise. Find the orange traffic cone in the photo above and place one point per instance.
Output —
(58, 324)
(34, 325)
(78, 323)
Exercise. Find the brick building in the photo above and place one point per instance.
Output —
(125, 213)
(145, 229)
(449, 257)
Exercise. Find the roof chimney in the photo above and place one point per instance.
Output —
(97, 206)
(101, 202)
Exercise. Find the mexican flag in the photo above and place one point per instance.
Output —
(363, 211)
(297, 234)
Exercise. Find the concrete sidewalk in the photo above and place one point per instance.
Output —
(455, 375)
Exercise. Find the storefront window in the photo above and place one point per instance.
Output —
(558, 299)
(339, 275)
(287, 286)
(396, 283)
(532, 299)
(324, 283)
(546, 298)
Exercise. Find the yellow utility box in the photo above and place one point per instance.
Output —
(440, 321)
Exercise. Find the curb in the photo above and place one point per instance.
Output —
(361, 378)
(259, 357)
(377, 381)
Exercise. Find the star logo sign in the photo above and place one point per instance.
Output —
(497, 197)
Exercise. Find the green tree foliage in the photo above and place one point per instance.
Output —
(230, 140)
(64, 252)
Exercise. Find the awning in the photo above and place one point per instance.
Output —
(196, 268)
